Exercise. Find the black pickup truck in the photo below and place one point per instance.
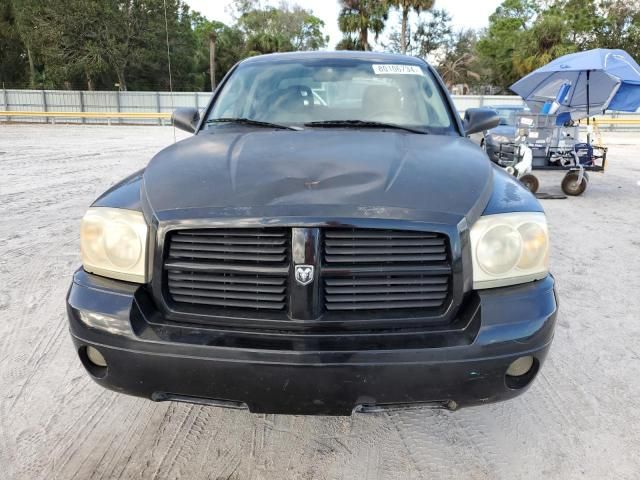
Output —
(328, 241)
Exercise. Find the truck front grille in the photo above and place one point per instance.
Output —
(229, 268)
(383, 270)
(362, 274)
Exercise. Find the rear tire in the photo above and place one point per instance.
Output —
(531, 182)
(570, 185)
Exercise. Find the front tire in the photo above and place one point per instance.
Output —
(571, 186)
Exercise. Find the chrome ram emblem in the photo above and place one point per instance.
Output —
(304, 274)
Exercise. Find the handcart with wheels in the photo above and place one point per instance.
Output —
(558, 148)
(576, 160)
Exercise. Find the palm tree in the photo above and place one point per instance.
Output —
(457, 69)
(360, 16)
(405, 7)
(460, 65)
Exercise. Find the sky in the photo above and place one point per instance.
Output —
(465, 13)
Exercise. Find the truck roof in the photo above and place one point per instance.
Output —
(341, 54)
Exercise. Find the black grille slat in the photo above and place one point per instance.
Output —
(385, 281)
(229, 241)
(258, 280)
(385, 271)
(244, 268)
(367, 289)
(236, 232)
(398, 242)
(364, 258)
(208, 267)
(205, 247)
(365, 233)
(229, 303)
(249, 296)
(394, 250)
(382, 305)
(225, 257)
(225, 287)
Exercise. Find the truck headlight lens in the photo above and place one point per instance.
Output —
(509, 248)
(113, 243)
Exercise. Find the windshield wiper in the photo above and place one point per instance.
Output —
(248, 121)
(362, 124)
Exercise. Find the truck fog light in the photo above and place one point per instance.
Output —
(520, 366)
(96, 357)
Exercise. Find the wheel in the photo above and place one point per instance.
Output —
(531, 182)
(570, 184)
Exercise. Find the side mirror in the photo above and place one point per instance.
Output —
(479, 119)
(186, 119)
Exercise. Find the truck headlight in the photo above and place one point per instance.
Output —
(113, 243)
(509, 248)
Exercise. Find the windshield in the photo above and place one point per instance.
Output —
(508, 115)
(299, 92)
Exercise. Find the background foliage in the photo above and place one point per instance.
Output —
(111, 44)
(107, 44)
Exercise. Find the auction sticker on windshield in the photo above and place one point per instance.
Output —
(397, 69)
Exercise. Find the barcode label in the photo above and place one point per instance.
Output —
(397, 69)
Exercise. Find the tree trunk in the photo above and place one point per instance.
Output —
(212, 60)
(403, 35)
(32, 68)
(364, 38)
(121, 80)
(88, 79)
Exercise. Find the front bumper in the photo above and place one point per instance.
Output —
(461, 367)
(494, 151)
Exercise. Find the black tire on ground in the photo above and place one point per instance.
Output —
(570, 184)
(531, 182)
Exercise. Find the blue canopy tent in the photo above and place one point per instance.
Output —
(583, 83)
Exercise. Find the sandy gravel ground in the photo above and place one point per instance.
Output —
(581, 418)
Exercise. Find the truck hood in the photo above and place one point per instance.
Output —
(504, 131)
(302, 171)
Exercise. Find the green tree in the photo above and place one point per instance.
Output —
(548, 38)
(14, 69)
(116, 42)
(524, 35)
(507, 26)
(459, 65)
(619, 26)
(24, 14)
(230, 47)
(348, 43)
(433, 33)
(361, 16)
(68, 36)
(405, 7)
(281, 29)
(148, 65)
